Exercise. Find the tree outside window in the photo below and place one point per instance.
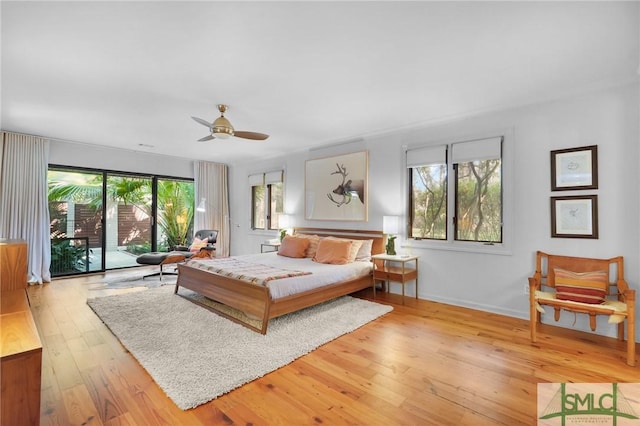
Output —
(476, 200)
(267, 200)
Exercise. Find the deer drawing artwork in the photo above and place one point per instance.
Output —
(348, 189)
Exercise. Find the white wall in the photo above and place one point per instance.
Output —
(100, 157)
(607, 118)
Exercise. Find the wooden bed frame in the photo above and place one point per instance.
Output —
(255, 300)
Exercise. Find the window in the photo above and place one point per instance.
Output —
(474, 206)
(103, 219)
(266, 200)
(428, 197)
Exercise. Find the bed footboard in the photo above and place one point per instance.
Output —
(253, 300)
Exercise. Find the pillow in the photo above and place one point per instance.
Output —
(313, 244)
(197, 244)
(585, 287)
(364, 254)
(355, 247)
(293, 247)
(333, 251)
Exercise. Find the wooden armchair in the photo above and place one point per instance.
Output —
(619, 305)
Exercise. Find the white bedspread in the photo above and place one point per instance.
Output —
(321, 274)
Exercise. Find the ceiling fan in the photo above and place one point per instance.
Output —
(221, 128)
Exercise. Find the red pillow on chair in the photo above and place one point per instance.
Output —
(585, 287)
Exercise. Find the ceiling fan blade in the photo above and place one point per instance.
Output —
(250, 135)
(201, 121)
(206, 138)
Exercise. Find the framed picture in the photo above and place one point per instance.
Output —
(574, 168)
(574, 217)
(336, 187)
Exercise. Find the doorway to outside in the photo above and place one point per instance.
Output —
(103, 220)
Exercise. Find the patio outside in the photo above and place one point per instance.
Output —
(85, 223)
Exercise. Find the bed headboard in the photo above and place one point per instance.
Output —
(378, 237)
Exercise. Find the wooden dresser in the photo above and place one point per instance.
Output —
(21, 348)
(13, 264)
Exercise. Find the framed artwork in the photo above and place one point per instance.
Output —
(574, 217)
(574, 168)
(336, 188)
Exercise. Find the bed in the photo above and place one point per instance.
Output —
(256, 300)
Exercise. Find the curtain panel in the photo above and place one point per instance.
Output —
(24, 208)
(211, 184)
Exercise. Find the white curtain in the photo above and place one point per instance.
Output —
(211, 184)
(24, 209)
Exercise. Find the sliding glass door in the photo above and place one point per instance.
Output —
(103, 220)
(128, 219)
(175, 213)
(75, 210)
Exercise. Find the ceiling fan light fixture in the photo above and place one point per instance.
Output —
(222, 132)
(222, 128)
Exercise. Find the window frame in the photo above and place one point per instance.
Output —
(269, 179)
(411, 204)
(450, 243)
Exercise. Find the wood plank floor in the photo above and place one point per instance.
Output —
(425, 363)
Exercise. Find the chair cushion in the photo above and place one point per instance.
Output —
(585, 287)
(156, 257)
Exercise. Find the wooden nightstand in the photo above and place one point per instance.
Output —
(390, 271)
(275, 245)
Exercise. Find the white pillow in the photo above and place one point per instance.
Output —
(364, 252)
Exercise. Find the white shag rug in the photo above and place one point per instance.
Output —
(195, 355)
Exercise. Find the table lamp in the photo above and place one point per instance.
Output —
(390, 227)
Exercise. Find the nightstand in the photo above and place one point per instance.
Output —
(391, 271)
(275, 245)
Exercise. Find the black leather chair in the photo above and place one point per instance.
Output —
(210, 234)
(178, 253)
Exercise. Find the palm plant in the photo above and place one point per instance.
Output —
(175, 211)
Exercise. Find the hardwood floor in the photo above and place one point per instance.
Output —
(425, 363)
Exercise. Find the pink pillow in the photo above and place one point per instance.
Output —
(293, 247)
(333, 251)
(197, 244)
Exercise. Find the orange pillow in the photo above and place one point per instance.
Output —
(197, 244)
(313, 244)
(293, 247)
(333, 251)
(355, 247)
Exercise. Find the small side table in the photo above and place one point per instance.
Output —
(401, 274)
(275, 245)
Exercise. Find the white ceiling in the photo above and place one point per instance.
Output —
(306, 73)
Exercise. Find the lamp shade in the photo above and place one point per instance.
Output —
(201, 207)
(284, 221)
(390, 224)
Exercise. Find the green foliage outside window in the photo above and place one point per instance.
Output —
(429, 202)
(479, 201)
